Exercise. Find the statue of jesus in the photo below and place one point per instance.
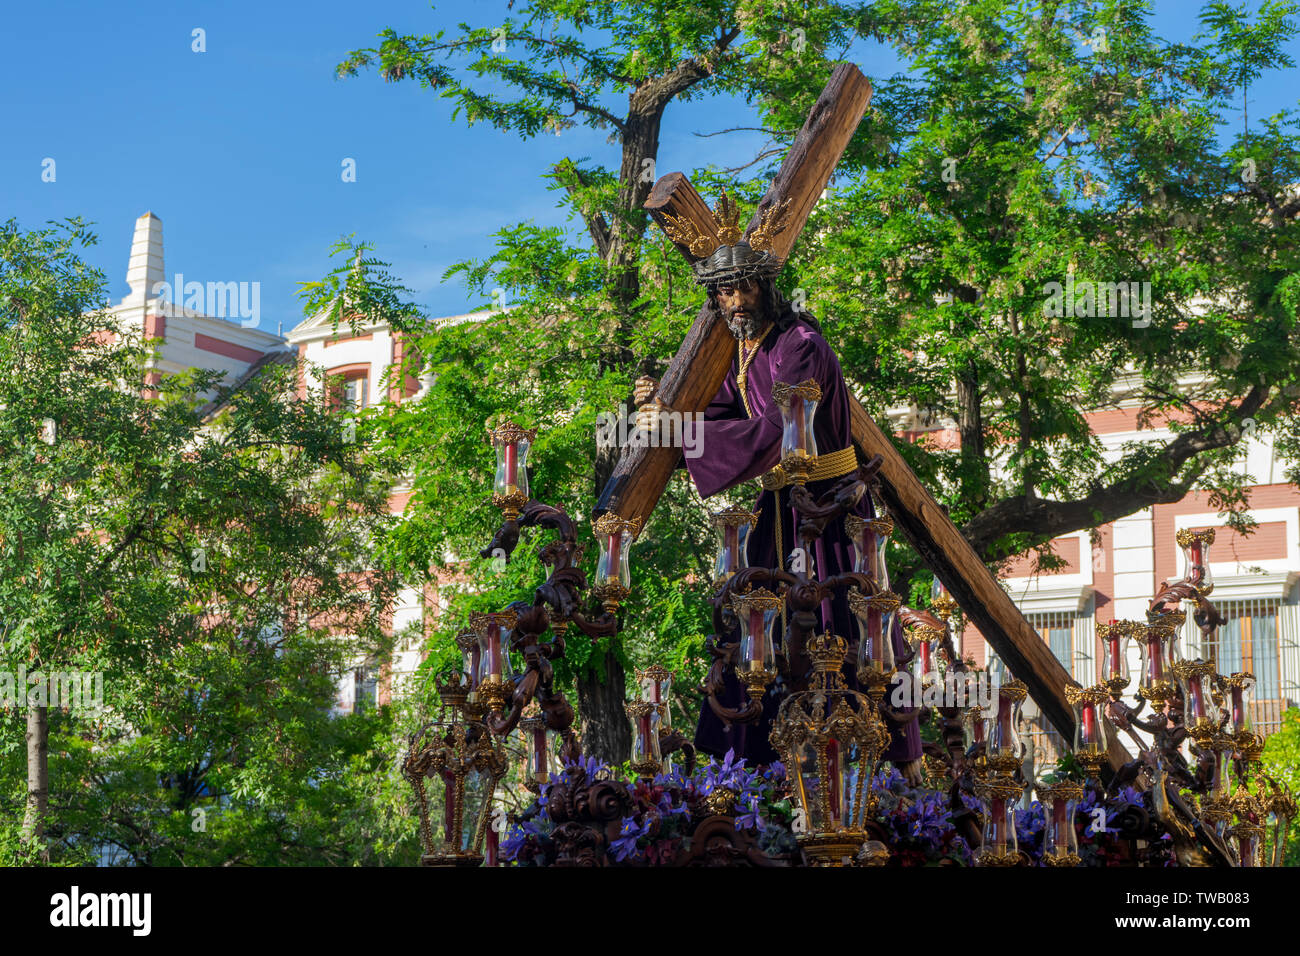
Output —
(739, 438)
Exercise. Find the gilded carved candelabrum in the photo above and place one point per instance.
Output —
(467, 762)
(1196, 740)
(829, 737)
(1200, 733)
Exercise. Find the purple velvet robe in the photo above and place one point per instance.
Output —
(736, 448)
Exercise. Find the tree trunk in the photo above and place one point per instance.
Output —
(606, 734)
(38, 778)
(970, 424)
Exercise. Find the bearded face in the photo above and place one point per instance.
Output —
(744, 307)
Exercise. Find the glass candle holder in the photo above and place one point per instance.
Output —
(798, 404)
(646, 757)
(734, 526)
(510, 484)
(829, 788)
(925, 663)
(496, 676)
(998, 795)
(875, 619)
(1248, 833)
(539, 758)
(1090, 735)
(656, 684)
(467, 641)
(1196, 558)
(870, 537)
(755, 612)
(1002, 744)
(494, 656)
(1156, 682)
(1172, 622)
(1060, 839)
(1114, 660)
(1200, 713)
(1281, 810)
(613, 581)
(1221, 781)
(1241, 687)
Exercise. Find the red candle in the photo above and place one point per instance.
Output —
(869, 555)
(539, 753)
(1004, 723)
(997, 824)
(1088, 720)
(1115, 670)
(833, 775)
(1197, 570)
(1246, 849)
(449, 806)
(1155, 659)
(510, 452)
(494, 650)
(1063, 824)
(1197, 699)
(757, 637)
(644, 729)
(730, 548)
(926, 665)
(1238, 708)
(615, 540)
(476, 655)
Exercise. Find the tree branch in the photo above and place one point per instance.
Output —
(1104, 504)
(653, 94)
(596, 223)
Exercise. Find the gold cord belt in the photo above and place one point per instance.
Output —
(836, 464)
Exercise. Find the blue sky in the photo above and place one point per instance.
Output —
(239, 149)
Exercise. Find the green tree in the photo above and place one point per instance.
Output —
(589, 313)
(205, 550)
(1282, 763)
(1030, 144)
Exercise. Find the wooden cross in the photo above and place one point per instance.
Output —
(701, 364)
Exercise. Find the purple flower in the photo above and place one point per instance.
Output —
(971, 803)
(1087, 809)
(1129, 796)
(730, 773)
(889, 780)
(591, 766)
(927, 820)
(672, 779)
(749, 820)
(517, 838)
(961, 849)
(624, 846)
(666, 807)
(1029, 823)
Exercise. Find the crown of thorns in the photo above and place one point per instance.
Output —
(726, 258)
